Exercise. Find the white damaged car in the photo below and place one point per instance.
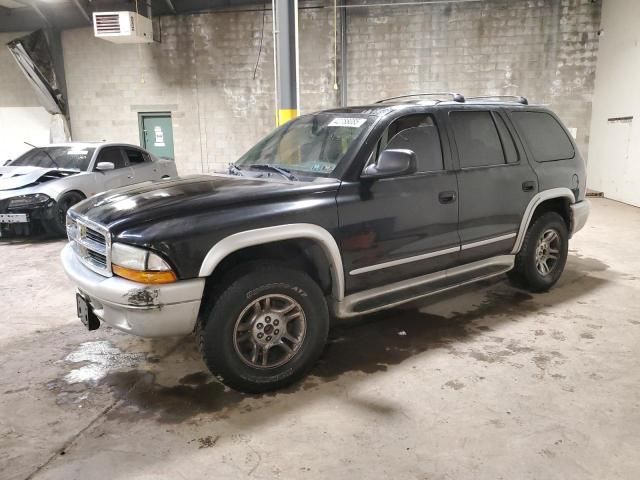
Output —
(38, 188)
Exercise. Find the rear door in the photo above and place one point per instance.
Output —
(495, 181)
(121, 175)
(397, 228)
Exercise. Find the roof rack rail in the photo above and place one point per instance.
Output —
(456, 97)
(515, 98)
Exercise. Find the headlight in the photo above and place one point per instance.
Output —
(140, 265)
(72, 229)
(31, 200)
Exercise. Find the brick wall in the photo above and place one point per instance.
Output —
(203, 71)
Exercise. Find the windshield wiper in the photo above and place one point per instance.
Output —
(282, 171)
(235, 170)
(41, 149)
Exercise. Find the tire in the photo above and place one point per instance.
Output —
(232, 331)
(546, 243)
(56, 222)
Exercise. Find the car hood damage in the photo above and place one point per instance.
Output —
(13, 178)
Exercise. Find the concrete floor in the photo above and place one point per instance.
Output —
(489, 382)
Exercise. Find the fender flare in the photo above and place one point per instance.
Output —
(260, 236)
(531, 207)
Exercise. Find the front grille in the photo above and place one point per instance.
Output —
(95, 236)
(98, 258)
(91, 242)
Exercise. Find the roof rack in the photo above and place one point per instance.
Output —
(456, 97)
(515, 98)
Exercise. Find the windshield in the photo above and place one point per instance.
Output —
(313, 144)
(72, 157)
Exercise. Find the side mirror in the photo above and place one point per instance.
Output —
(104, 166)
(7, 162)
(391, 163)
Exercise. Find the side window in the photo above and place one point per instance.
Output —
(545, 137)
(419, 134)
(135, 157)
(508, 145)
(113, 155)
(477, 139)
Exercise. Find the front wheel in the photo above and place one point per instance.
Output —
(543, 255)
(55, 224)
(265, 330)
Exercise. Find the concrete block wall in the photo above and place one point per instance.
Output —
(22, 119)
(14, 90)
(203, 71)
(543, 49)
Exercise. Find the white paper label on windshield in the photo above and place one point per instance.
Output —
(352, 122)
(77, 152)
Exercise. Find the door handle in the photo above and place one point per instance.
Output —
(528, 186)
(447, 197)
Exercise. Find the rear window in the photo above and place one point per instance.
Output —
(545, 137)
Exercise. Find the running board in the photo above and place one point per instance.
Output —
(394, 294)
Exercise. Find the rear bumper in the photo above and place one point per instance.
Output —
(145, 310)
(579, 214)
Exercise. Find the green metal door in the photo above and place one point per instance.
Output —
(156, 134)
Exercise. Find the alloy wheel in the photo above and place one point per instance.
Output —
(547, 251)
(269, 331)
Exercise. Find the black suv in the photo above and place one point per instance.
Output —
(338, 213)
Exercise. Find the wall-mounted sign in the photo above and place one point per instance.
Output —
(159, 142)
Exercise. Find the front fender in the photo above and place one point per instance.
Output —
(261, 236)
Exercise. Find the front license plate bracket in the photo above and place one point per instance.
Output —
(85, 313)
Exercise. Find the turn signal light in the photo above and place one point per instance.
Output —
(142, 276)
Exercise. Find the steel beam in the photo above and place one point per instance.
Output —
(83, 10)
(44, 18)
(286, 59)
(170, 5)
(343, 54)
(54, 39)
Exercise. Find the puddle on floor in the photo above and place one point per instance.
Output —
(99, 358)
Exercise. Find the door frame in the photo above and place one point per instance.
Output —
(149, 114)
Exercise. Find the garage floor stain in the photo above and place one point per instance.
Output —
(366, 346)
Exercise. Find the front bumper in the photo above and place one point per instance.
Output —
(7, 218)
(145, 310)
(579, 214)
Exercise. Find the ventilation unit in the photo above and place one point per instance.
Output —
(122, 27)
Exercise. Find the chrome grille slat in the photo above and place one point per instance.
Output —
(91, 242)
(92, 245)
(96, 237)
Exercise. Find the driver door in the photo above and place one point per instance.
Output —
(394, 229)
(121, 175)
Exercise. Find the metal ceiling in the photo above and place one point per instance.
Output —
(28, 15)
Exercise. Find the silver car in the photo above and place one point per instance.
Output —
(41, 185)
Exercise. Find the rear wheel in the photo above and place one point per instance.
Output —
(265, 330)
(543, 255)
(55, 224)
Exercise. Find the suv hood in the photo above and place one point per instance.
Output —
(12, 178)
(145, 202)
